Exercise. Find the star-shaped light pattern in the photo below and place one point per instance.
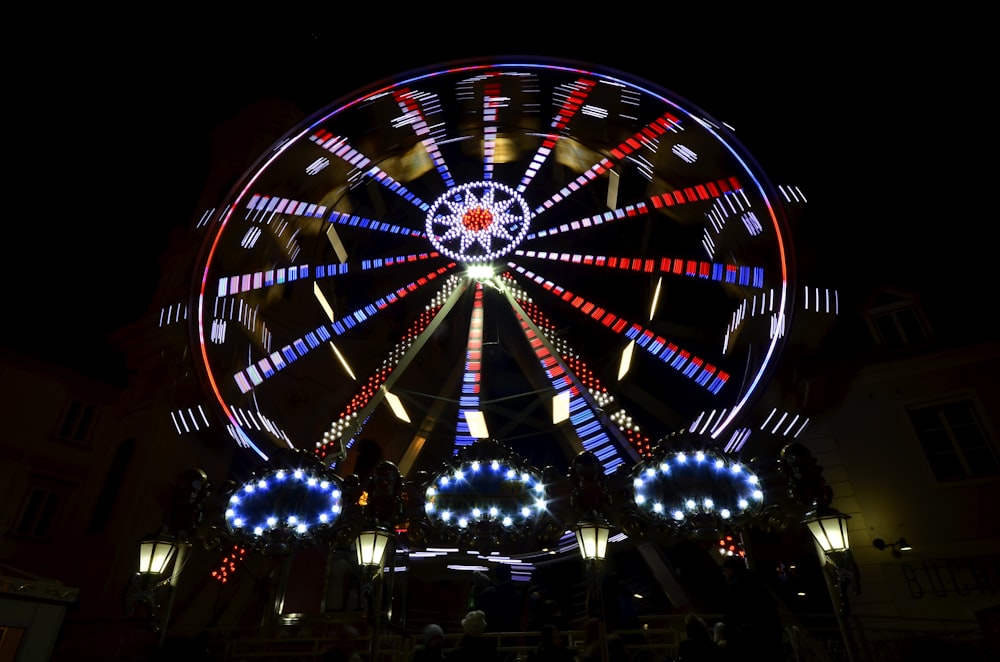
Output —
(492, 491)
(478, 222)
(287, 501)
(699, 491)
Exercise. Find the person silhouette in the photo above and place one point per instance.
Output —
(345, 646)
(698, 644)
(753, 625)
(542, 605)
(432, 647)
(502, 603)
(551, 647)
(473, 645)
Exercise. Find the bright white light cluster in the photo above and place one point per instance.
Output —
(623, 420)
(339, 428)
(478, 491)
(280, 499)
(681, 486)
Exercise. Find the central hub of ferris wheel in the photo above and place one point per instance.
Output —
(478, 222)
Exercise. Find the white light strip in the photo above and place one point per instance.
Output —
(323, 302)
(626, 360)
(343, 361)
(560, 407)
(656, 298)
(477, 424)
(395, 404)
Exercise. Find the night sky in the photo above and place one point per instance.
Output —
(882, 129)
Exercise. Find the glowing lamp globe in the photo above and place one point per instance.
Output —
(829, 527)
(592, 537)
(371, 545)
(156, 553)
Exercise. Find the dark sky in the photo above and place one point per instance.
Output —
(880, 127)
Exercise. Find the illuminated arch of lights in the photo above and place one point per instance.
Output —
(485, 490)
(700, 491)
(284, 501)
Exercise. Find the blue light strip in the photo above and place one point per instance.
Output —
(253, 375)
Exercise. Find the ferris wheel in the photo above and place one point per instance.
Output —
(552, 254)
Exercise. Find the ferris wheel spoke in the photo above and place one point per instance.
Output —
(340, 146)
(370, 310)
(592, 433)
(746, 276)
(374, 225)
(683, 361)
(351, 420)
(471, 423)
(623, 428)
(644, 138)
(414, 105)
(572, 98)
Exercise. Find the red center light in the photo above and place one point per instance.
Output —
(477, 220)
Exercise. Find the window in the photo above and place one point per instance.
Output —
(44, 500)
(10, 641)
(954, 441)
(76, 421)
(897, 321)
(899, 327)
(39, 510)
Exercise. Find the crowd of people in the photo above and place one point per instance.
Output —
(749, 627)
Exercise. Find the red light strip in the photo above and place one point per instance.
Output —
(578, 92)
(641, 138)
(696, 193)
(410, 105)
(704, 374)
(473, 371)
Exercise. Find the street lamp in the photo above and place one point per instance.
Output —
(371, 545)
(162, 555)
(592, 538)
(156, 552)
(828, 527)
(159, 554)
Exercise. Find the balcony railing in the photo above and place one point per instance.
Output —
(647, 645)
(874, 640)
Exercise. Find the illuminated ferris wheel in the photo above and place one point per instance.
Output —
(557, 256)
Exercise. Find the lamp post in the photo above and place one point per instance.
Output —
(828, 527)
(159, 554)
(166, 551)
(381, 510)
(809, 490)
(592, 538)
(371, 545)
